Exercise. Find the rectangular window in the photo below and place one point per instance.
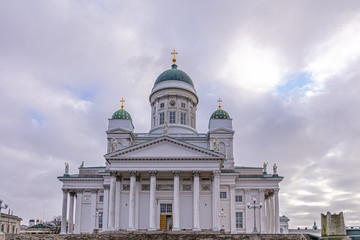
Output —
(161, 118)
(222, 194)
(172, 117)
(238, 198)
(100, 219)
(162, 105)
(183, 105)
(183, 118)
(165, 208)
(101, 198)
(239, 220)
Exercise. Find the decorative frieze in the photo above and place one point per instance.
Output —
(164, 187)
(205, 187)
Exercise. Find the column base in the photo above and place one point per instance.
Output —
(110, 229)
(233, 232)
(216, 229)
(63, 232)
(131, 229)
(152, 229)
(196, 229)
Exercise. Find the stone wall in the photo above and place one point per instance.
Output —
(156, 236)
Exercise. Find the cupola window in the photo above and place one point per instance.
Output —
(162, 105)
(172, 117)
(183, 105)
(183, 118)
(161, 118)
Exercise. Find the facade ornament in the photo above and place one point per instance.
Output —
(66, 168)
(106, 186)
(275, 169)
(176, 173)
(196, 173)
(165, 129)
(265, 167)
(113, 145)
(94, 191)
(79, 191)
(216, 145)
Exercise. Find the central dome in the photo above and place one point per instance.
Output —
(174, 74)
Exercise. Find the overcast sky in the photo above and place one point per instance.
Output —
(287, 71)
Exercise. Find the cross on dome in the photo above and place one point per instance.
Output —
(219, 103)
(122, 103)
(174, 59)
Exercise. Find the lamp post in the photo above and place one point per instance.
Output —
(254, 207)
(96, 230)
(2, 207)
(221, 216)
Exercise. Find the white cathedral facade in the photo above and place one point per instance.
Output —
(171, 178)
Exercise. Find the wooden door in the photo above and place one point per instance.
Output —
(163, 222)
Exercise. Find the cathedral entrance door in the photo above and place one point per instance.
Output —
(165, 217)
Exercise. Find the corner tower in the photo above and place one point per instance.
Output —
(173, 100)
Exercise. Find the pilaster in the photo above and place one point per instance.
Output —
(131, 226)
(71, 213)
(93, 210)
(152, 204)
(176, 202)
(232, 210)
(79, 193)
(216, 199)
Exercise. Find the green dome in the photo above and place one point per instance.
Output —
(174, 74)
(220, 114)
(121, 114)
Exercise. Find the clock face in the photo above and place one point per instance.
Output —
(172, 103)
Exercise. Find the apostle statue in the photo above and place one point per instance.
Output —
(66, 168)
(113, 145)
(82, 164)
(275, 169)
(165, 129)
(216, 147)
(265, 166)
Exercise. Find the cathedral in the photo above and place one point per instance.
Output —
(171, 178)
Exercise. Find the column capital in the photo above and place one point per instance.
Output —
(94, 190)
(276, 190)
(72, 193)
(232, 186)
(216, 173)
(113, 173)
(119, 178)
(106, 186)
(79, 191)
(132, 173)
(176, 173)
(262, 191)
(196, 173)
(153, 173)
(65, 190)
(247, 191)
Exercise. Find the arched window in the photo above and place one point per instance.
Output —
(222, 148)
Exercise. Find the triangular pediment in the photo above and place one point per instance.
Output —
(164, 148)
(118, 130)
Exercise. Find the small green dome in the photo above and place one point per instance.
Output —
(220, 114)
(121, 114)
(174, 74)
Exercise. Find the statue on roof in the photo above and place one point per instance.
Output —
(165, 129)
(66, 168)
(113, 145)
(265, 166)
(216, 146)
(275, 169)
(82, 164)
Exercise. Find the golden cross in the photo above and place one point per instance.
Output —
(122, 103)
(219, 103)
(174, 59)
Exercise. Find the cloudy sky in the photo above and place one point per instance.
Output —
(287, 71)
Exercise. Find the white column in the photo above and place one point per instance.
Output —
(262, 211)
(78, 211)
(131, 226)
(64, 212)
(216, 200)
(176, 202)
(277, 217)
(268, 214)
(71, 213)
(249, 213)
(152, 210)
(232, 210)
(117, 202)
(272, 215)
(137, 202)
(93, 210)
(106, 207)
(111, 224)
(196, 202)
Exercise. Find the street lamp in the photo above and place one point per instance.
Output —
(96, 230)
(221, 216)
(2, 207)
(254, 207)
